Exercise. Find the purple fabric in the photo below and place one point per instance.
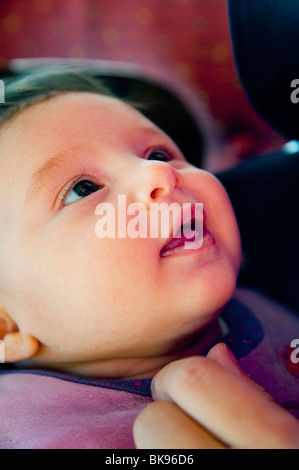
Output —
(266, 363)
(43, 412)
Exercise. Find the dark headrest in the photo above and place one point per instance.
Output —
(265, 36)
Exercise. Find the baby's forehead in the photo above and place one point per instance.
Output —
(72, 100)
(65, 109)
(68, 108)
(65, 119)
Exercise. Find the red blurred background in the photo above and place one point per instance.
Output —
(185, 39)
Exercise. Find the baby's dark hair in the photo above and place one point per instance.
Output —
(41, 84)
(156, 102)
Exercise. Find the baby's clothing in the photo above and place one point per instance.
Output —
(53, 410)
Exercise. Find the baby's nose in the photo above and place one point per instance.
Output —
(155, 180)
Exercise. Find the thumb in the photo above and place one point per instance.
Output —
(224, 356)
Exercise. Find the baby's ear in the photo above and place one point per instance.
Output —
(17, 345)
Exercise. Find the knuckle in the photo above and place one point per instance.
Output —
(152, 414)
(194, 370)
(144, 418)
(150, 410)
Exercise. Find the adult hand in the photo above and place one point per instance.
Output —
(210, 403)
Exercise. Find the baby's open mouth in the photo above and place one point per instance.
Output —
(189, 235)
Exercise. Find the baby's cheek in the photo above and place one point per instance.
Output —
(232, 240)
(223, 220)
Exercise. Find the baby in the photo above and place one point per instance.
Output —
(86, 322)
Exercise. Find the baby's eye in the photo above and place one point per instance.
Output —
(160, 155)
(81, 189)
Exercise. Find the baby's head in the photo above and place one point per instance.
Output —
(69, 298)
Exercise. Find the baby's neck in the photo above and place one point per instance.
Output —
(144, 367)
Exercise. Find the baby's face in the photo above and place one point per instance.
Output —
(87, 298)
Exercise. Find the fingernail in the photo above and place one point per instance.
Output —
(231, 355)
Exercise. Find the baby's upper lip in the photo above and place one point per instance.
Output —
(183, 219)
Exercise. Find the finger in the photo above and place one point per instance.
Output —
(228, 406)
(224, 356)
(163, 425)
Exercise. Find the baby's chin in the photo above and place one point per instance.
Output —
(206, 296)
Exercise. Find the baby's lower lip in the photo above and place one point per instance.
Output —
(198, 242)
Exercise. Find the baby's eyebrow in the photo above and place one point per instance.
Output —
(51, 167)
